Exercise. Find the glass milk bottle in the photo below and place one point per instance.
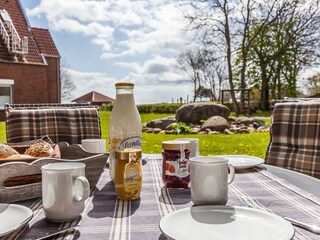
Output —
(124, 125)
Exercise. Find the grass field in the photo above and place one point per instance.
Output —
(254, 144)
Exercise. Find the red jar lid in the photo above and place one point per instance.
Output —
(175, 145)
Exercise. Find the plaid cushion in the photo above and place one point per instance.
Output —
(295, 137)
(60, 124)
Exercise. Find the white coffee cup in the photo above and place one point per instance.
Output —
(194, 145)
(209, 180)
(64, 190)
(95, 145)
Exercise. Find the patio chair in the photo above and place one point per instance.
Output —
(295, 137)
(60, 122)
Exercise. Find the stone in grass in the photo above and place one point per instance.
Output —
(244, 131)
(227, 131)
(169, 132)
(156, 130)
(161, 123)
(213, 132)
(216, 123)
(253, 120)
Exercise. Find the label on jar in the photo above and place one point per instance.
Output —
(132, 179)
(179, 168)
(118, 144)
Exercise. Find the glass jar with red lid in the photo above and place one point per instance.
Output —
(175, 164)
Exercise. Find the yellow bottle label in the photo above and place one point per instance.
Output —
(132, 180)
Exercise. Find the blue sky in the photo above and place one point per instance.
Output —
(104, 42)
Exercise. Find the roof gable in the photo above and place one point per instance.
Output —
(20, 23)
(45, 42)
(93, 97)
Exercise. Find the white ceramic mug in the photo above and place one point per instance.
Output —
(64, 190)
(94, 145)
(209, 180)
(194, 145)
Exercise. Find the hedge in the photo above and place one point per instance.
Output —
(150, 108)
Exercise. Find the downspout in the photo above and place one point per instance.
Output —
(58, 81)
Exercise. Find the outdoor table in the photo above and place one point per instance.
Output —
(106, 217)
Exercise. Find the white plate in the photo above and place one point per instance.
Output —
(13, 217)
(242, 161)
(224, 223)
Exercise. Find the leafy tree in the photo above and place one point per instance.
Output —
(283, 48)
(265, 43)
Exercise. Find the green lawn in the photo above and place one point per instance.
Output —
(2, 131)
(254, 144)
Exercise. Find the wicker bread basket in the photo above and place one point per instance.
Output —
(21, 180)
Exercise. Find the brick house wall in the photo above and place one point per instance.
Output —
(35, 73)
(33, 83)
(54, 84)
(30, 82)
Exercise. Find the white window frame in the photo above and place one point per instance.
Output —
(7, 83)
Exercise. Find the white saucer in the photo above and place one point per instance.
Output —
(13, 217)
(225, 223)
(243, 161)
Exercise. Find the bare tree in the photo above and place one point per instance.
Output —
(313, 85)
(216, 73)
(210, 21)
(191, 62)
(67, 85)
(205, 71)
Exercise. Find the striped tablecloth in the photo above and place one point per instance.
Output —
(106, 217)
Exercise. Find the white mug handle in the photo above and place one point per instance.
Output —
(86, 189)
(231, 173)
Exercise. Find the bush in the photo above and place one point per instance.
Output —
(149, 108)
(106, 107)
(180, 128)
(159, 108)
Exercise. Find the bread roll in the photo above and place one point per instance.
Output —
(19, 156)
(6, 151)
(41, 149)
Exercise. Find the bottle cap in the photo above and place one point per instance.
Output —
(124, 84)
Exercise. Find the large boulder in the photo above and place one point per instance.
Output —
(161, 123)
(215, 123)
(195, 112)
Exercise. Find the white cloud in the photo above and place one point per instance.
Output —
(86, 82)
(102, 42)
(159, 73)
(169, 93)
(144, 26)
(139, 38)
(148, 88)
(159, 65)
(131, 65)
